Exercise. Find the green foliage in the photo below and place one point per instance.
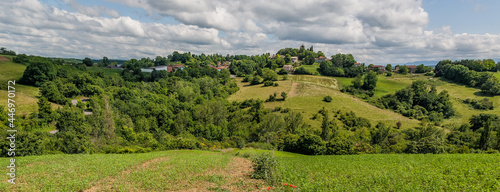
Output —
(370, 81)
(88, 62)
(264, 167)
(483, 104)
(403, 70)
(327, 98)
(418, 101)
(301, 71)
(39, 71)
(256, 80)
(284, 95)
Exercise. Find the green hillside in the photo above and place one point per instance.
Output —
(26, 96)
(305, 94)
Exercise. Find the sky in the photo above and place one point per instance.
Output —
(374, 31)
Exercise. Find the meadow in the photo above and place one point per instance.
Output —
(305, 94)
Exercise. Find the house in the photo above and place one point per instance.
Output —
(220, 67)
(320, 59)
(357, 64)
(295, 59)
(158, 68)
(288, 68)
(411, 68)
(377, 67)
(178, 67)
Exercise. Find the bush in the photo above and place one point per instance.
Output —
(265, 167)
(327, 99)
(268, 83)
(430, 74)
(484, 104)
(389, 74)
(256, 145)
(276, 84)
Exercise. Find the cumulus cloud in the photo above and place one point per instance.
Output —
(390, 31)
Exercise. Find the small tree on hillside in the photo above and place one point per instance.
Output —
(284, 95)
(88, 62)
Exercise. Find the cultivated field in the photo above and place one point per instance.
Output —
(222, 171)
(156, 171)
(389, 172)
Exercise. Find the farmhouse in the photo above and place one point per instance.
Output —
(377, 67)
(295, 59)
(357, 64)
(288, 68)
(411, 68)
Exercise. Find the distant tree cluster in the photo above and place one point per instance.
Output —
(4, 51)
(341, 65)
(466, 72)
(420, 102)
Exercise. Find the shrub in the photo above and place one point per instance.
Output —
(430, 74)
(327, 99)
(389, 74)
(268, 83)
(276, 84)
(265, 167)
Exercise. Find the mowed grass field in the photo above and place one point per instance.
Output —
(156, 171)
(26, 96)
(305, 95)
(389, 172)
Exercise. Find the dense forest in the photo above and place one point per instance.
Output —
(134, 111)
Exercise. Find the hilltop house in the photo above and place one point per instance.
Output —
(295, 59)
(320, 59)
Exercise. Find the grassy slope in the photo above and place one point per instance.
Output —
(306, 94)
(26, 101)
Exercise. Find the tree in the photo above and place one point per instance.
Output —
(105, 61)
(269, 75)
(284, 95)
(357, 82)
(88, 62)
(370, 81)
(288, 58)
(39, 71)
(325, 127)
(44, 110)
(309, 60)
(403, 70)
(388, 67)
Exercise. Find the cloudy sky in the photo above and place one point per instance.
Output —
(374, 31)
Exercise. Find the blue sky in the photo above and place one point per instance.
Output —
(379, 32)
(464, 16)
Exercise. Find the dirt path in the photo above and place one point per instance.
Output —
(2, 58)
(292, 91)
(238, 173)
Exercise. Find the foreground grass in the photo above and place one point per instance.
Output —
(396, 172)
(156, 171)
